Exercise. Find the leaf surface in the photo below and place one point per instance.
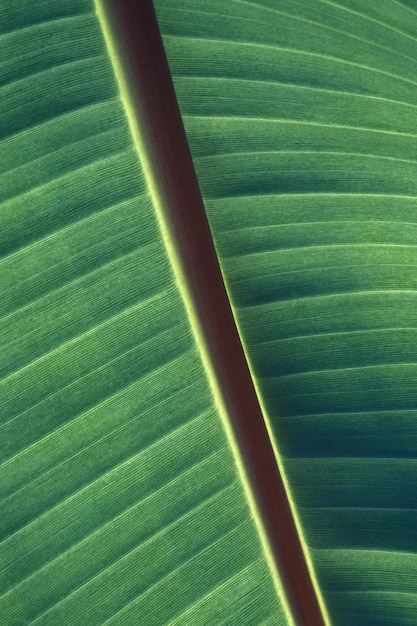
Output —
(121, 499)
(301, 118)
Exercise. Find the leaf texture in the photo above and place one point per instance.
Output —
(121, 501)
(301, 117)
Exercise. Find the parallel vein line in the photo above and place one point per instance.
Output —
(117, 467)
(389, 329)
(72, 283)
(336, 195)
(175, 570)
(95, 408)
(44, 22)
(355, 412)
(36, 75)
(89, 373)
(324, 27)
(85, 334)
(204, 597)
(304, 223)
(131, 552)
(374, 21)
(340, 294)
(331, 246)
(109, 523)
(338, 370)
(297, 86)
(360, 155)
(284, 121)
(295, 52)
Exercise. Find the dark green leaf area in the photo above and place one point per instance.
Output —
(58, 162)
(301, 120)
(22, 507)
(52, 44)
(292, 103)
(54, 53)
(367, 528)
(334, 313)
(286, 66)
(373, 434)
(230, 215)
(73, 305)
(377, 44)
(227, 135)
(307, 172)
(360, 349)
(379, 387)
(51, 141)
(376, 607)
(400, 571)
(54, 92)
(20, 15)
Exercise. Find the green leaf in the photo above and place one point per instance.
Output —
(121, 498)
(124, 497)
(301, 118)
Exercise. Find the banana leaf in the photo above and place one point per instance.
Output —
(122, 499)
(301, 118)
(125, 498)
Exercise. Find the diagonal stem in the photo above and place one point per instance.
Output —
(150, 101)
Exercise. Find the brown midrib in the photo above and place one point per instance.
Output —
(136, 33)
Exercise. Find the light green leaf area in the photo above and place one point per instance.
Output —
(302, 119)
(120, 499)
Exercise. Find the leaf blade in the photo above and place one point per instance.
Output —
(324, 304)
(117, 474)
